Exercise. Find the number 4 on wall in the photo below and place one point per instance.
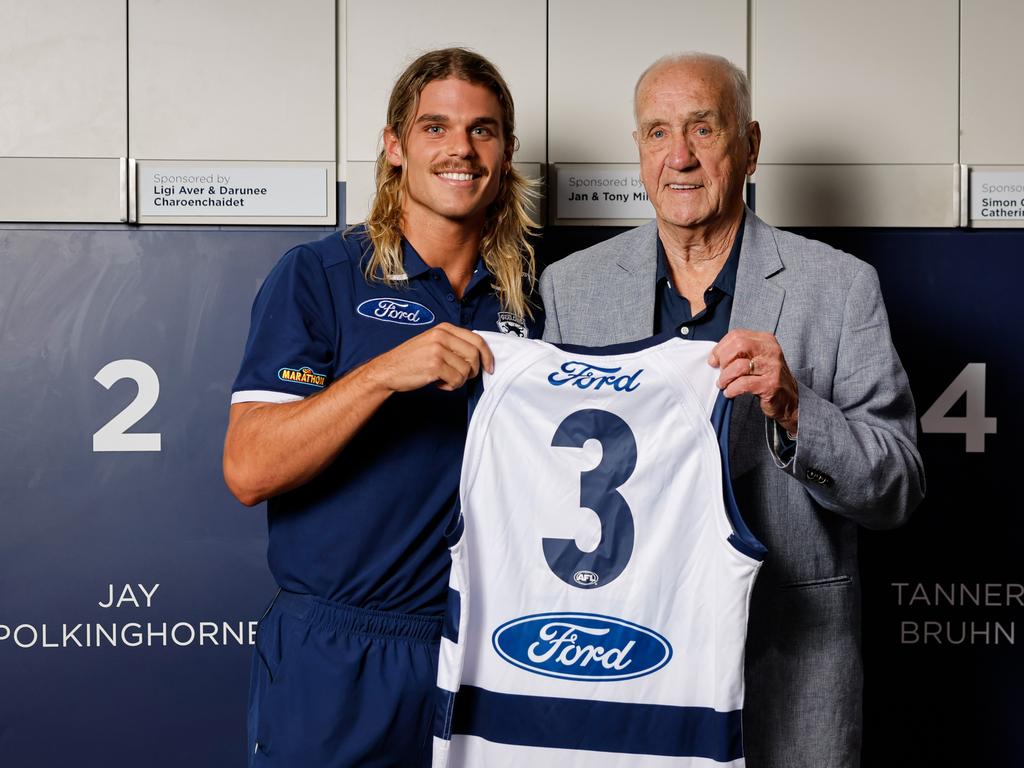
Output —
(970, 384)
(113, 436)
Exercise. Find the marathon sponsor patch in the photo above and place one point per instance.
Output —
(304, 375)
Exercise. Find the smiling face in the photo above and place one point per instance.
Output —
(693, 157)
(453, 154)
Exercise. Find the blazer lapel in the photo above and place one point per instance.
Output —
(634, 292)
(758, 302)
(756, 306)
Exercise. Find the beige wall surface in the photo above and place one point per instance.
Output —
(992, 83)
(232, 80)
(878, 106)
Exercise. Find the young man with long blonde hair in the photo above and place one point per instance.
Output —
(349, 413)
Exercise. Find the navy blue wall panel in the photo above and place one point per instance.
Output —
(76, 524)
(951, 696)
(73, 522)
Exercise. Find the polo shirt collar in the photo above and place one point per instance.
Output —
(415, 266)
(412, 261)
(726, 279)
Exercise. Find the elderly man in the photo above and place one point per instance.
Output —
(823, 432)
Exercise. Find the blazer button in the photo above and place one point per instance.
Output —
(818, 477)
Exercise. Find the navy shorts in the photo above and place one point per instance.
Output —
(335, 686)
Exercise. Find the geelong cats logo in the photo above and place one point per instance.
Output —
(514, 324)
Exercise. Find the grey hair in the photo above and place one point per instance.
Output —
(738, 78)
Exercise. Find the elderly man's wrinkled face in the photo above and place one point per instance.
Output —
(693, 159)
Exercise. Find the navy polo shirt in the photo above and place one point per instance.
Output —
(672, 310)
(368, 531)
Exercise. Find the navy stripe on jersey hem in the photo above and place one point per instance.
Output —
(363, 621)
(599, 726)
(444, 705)
(743, 539)
(619, 349)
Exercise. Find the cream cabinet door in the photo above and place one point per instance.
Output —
(63, 110)
(858, 108)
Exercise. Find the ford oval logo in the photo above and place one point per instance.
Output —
(581, 646)
(396, 311)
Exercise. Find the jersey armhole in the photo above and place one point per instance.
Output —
(742, 538)
(475, 392)
(456, 524)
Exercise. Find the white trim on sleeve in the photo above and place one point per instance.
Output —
(263, 396)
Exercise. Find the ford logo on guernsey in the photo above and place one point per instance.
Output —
(581, 646)
(396, 311)
(586, 376)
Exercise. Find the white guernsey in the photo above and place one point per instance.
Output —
(601, 572)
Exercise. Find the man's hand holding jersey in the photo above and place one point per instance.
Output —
(752, 363)
(445, 355)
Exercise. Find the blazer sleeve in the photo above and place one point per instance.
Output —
(856, 452)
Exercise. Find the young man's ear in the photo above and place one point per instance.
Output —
(393, 147)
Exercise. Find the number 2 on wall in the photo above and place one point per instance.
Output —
(113, 436)
(598, 492)
(970, 383)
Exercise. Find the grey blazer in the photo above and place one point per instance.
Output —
(856, 464)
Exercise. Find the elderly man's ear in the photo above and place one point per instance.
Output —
(753, 146)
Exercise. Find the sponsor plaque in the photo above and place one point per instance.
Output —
(997, 196)
(220, 191)
(601, 193)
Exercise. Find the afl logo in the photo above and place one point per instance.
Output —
(581, 646)
(585, 578)
(396, 311)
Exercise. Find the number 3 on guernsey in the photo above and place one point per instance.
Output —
(598, 492)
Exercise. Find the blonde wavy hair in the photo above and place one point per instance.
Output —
(505, 246)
